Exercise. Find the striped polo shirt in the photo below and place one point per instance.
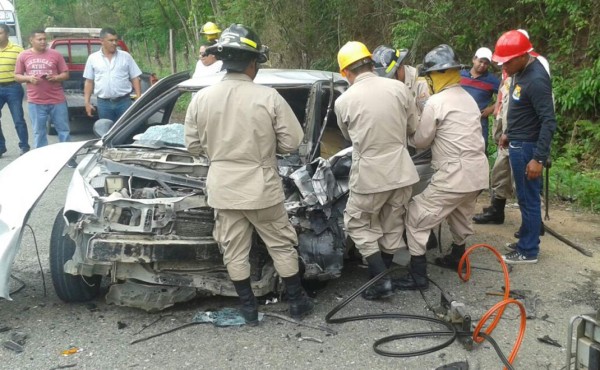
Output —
(8, 59)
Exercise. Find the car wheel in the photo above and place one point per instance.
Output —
(50, 128)
(69, 288)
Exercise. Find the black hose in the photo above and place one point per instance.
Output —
(452, 332)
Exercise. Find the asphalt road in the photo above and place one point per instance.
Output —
(564, 283)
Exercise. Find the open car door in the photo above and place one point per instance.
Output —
(319, 118)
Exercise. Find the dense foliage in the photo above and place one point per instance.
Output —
(308, 33)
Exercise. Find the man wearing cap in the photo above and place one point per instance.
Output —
(530, 126)
(240, 126)
(481, 85)
(375, 114)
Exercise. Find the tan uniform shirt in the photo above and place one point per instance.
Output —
(451, 120)
(418, 87)
(239, 126)
(375, 114)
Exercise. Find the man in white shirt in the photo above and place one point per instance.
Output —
(207, 63)
(110, 74)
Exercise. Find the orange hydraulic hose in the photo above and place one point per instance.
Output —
(500, 306)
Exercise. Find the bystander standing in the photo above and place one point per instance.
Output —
(110, 74)
(482, 86)
(44, 70)
(11, 92)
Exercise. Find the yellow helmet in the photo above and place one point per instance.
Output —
(350, 53)
(210, 28)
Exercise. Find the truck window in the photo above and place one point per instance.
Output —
(79, 53)
(64, 51)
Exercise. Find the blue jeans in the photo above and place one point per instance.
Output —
(112, 110)
(528, 195)
(39, 115)
(485, 131)
(13, 95)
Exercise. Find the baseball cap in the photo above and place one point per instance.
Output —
(483, 53)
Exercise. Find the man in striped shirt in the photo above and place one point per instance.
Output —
(11, 91)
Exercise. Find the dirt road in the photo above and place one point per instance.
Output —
(564, 281)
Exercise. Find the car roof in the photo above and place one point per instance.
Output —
(272, 77)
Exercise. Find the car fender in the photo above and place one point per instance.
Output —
(21, 190)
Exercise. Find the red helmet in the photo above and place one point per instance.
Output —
(510, 45)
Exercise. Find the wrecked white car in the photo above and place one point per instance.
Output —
(136, 210)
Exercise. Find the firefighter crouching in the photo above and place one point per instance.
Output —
(450, 125)
(240, 126)
(375, 114)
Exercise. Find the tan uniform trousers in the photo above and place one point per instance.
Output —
(233, 231)
(428, 209)
(502, 187)
(376, 221)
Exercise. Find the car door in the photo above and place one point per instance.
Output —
(319, 111)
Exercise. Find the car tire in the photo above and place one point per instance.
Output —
(69, 288)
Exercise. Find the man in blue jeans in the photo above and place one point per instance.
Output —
(11, 92)
(531, 125)
(44, 71)
(110, 74)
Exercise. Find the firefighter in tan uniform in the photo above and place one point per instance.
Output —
(389, 63)
(240, 126)
(450, 124)
(375, 114)
(501, 176)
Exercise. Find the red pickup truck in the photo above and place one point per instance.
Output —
(75, 45)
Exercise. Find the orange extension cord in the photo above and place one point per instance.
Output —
(498, 308)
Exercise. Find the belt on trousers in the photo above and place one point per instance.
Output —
(8, 83)
(119, 98)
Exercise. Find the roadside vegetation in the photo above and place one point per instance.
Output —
(308, 33)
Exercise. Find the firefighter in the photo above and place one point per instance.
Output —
(390, 63)
(210, 31)
(240, 126)
(450, 125)
(375, 114)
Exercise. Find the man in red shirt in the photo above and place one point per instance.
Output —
(44, 70)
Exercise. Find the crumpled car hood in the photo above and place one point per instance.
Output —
(23, 182)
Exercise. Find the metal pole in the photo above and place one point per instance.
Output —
(172, 52)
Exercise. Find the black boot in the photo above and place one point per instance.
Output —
(542, 232)
(300, 304)
(249, 307)
(451, 260)
(416, 278)
(493, 215)
(383, 287)
(388, 259)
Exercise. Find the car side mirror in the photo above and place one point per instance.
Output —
(102, 126)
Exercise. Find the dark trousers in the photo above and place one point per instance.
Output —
(528, 195)
(13, 96)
